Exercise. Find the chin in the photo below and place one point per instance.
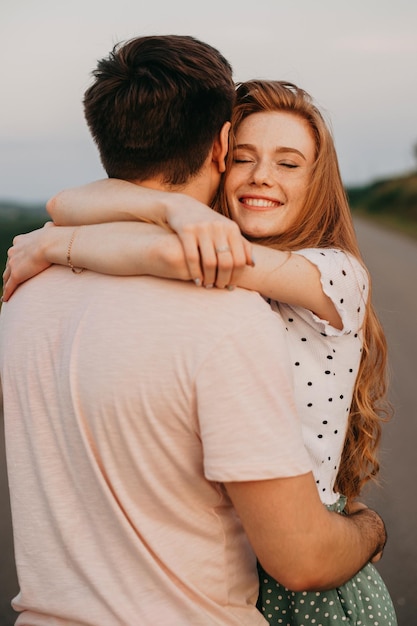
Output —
(258, 228)
(257, 233)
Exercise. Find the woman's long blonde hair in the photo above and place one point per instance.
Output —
(325, 221)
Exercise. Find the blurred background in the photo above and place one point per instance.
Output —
(357, 59)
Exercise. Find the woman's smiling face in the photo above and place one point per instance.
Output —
(267, 183)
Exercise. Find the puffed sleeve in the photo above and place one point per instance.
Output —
(345, 281)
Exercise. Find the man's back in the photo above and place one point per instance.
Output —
(129, 401)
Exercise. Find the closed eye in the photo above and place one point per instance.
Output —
(290, 166)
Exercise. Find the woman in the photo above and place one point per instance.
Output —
(283, 189)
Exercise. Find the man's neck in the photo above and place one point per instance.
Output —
(202, 187)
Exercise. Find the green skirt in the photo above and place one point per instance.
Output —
(362, 601)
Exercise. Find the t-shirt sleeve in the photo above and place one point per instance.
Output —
(345, 281)
(248, 422)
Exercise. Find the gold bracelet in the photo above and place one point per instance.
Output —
(69, 262)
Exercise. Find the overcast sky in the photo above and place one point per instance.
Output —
(358, 59)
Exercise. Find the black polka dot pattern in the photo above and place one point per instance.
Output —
(326, 360)
(325, 364)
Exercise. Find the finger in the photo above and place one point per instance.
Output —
(6, 272)
(377, 557)
(234, 279)
(208, 260)
(249, 254)
(6, 276)
(7, 290)
(5, 295)
(192, 257)
(225, 264)
(241, 253)
(242, 249)
(226, 242)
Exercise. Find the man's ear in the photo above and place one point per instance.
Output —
(221, 146)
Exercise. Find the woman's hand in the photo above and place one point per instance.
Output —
(24, 259)
(215, 250)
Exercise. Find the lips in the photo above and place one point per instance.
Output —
(259, 203)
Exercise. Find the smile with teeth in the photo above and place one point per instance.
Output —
(260, 203)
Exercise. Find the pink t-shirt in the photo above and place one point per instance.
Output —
(128, 402)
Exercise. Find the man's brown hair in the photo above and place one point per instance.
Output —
(156, 106)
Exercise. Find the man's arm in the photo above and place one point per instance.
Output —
(297, 540)
(253, 444)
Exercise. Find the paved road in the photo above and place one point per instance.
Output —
(392, 260)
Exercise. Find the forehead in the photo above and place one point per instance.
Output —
(275, 130)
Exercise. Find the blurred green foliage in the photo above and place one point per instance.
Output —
(16, 219)
(391, 202)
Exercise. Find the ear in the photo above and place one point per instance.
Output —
(221, 146)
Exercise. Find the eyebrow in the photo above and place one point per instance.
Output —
(280, 150)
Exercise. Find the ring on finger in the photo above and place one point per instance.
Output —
(221, 249)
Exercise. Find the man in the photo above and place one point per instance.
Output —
(152, 440)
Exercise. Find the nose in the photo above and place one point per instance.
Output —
(262, 173)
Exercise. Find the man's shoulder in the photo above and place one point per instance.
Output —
(132, 298)
(217, 310)
(237, 301)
